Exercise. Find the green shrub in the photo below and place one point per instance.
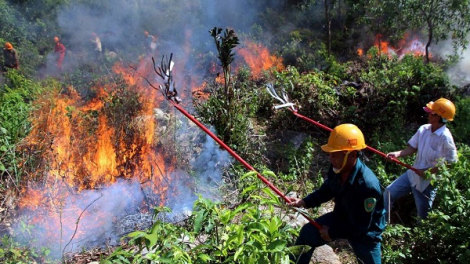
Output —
(312, 92)
(12, 252)
(443, 236)
(234, 124)
(16, 97)
(460, 127)
(251, 232)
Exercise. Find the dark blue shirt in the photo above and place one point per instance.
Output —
(359, 208)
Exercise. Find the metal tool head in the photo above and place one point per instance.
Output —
(284, 99)
(165, 71)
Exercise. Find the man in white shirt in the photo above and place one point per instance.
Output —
(434, 145)
(96, 45)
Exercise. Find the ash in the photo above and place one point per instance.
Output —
(131, 223)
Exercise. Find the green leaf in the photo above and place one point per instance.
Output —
(257, 226)
(278, 245)
(274, 225)
(152, 239)
(248, 189)
(241, 235)
(242, 207)
(136, 234)
(258, 245)
(198, 221)
(248, 174)
(271, 194)
(269, 173)
(238, 252)
(204, 257)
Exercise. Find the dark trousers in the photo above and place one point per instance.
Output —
(366, 250)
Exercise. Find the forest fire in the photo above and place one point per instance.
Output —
(89, 152)
(259, 59)
(94, 155)
(407, 45)
(255, 56)
(98, 156)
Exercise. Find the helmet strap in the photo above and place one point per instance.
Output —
(345, 159)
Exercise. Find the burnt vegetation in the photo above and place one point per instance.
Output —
(343, 62)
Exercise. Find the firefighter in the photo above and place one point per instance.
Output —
(10, 58)
(59, 51)
(433, 143)
(358, 214)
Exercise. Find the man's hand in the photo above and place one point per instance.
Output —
(296, 202)
(393, 155)
(324, 233)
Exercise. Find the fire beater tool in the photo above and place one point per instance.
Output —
(285, 103)
(165, 71)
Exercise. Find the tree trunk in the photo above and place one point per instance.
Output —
(328, 26)
(430, 35)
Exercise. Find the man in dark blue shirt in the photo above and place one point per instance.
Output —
(359, 213)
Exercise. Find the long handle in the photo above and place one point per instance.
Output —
(369, 148)
(237, 157)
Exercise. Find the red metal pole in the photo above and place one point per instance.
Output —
(369, 148)
(237, 157)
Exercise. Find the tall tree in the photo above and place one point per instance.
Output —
(438, 19)
(326, 4)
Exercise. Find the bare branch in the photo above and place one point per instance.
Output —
(77, 222)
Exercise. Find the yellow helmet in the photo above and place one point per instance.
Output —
(345, 137)
(443, 107)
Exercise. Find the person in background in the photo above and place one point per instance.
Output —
(358, 214)
(59, 52)
(150, 43)
(434, 144)
(96, 45)
(10, 58)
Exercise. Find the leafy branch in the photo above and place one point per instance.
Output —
(225, 45)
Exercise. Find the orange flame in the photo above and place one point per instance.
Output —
(360, 52)
(86, 150)
(407, 45)
(259, 59)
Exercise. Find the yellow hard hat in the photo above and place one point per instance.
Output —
(443, 107)
(8, 46)
(345, 137)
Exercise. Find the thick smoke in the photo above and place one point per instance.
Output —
(458, 73)
(207, 167)
(83, 220)
(120, 24)
(69, 222)
(181, 28)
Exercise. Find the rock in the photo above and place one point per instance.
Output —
(325, 255)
